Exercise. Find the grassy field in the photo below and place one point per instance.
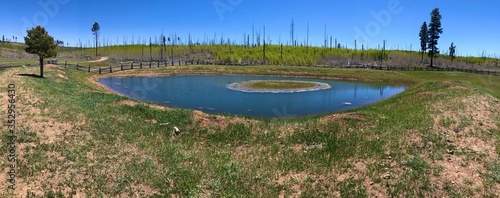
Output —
(441, 137)
(279, 85)
(241, 55)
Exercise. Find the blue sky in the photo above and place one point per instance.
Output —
(473, 26)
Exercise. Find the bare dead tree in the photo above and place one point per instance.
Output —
(292, 31)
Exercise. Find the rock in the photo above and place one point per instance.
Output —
(176, 130)
(456, 130)
(449, 140)
(386, 176)
(451, 152)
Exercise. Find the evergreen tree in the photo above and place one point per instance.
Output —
(434, 31)
(424, 38)
(39, 42)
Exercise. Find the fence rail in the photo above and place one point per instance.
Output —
(145, 65)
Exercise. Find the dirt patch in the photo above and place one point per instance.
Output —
(62, 76)
(473, 113)
(127, 103)
(458, 173)
(341, 118)
(102, 59)
(359, 171)
(446, 83)
(466, 123)
(293, 180)
(459, 88)
(37, 125)
(427, 94)
(287, 129)
(217, 121)
(134, 103)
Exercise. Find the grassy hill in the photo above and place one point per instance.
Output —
(241, 55)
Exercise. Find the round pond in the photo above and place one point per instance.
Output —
(212, 94)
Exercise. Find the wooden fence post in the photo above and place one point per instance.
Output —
(158, 63)
(179, 62)
(132, 66)
(78, 66)
(149, 64)
(111, 70)
(65, 63)
(99, 70)
(141, 65)
(89, 68)
(121, 67)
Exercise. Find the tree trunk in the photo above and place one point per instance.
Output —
(41, 66)
(432, 55)
(96, 43)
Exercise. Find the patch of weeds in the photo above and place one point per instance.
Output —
(32, 163)
(418, 176)
(438, 170)
(352, 188)
(293, 161)
(235, 133)
(228, 177)
(52, 194)
(141, 170)
(335, 144)
(494, 172)
(267, 137)
(418, 165)
(446, 122)
(465, 121)
(317, 187)
(434, 146)
(468, 181)
(449, 189)
(25, 136)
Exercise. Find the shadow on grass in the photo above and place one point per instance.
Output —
(30, 75)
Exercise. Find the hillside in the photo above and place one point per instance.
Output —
(241, 55)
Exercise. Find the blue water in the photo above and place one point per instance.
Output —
(210, 94)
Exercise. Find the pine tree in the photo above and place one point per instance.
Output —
(39, 42)
(424, 38)
(434, 31)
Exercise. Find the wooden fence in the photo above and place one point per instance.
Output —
(126, 66)
(145, 65)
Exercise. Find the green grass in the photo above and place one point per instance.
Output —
(277, 85)
(120, 147)
(275, 55)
